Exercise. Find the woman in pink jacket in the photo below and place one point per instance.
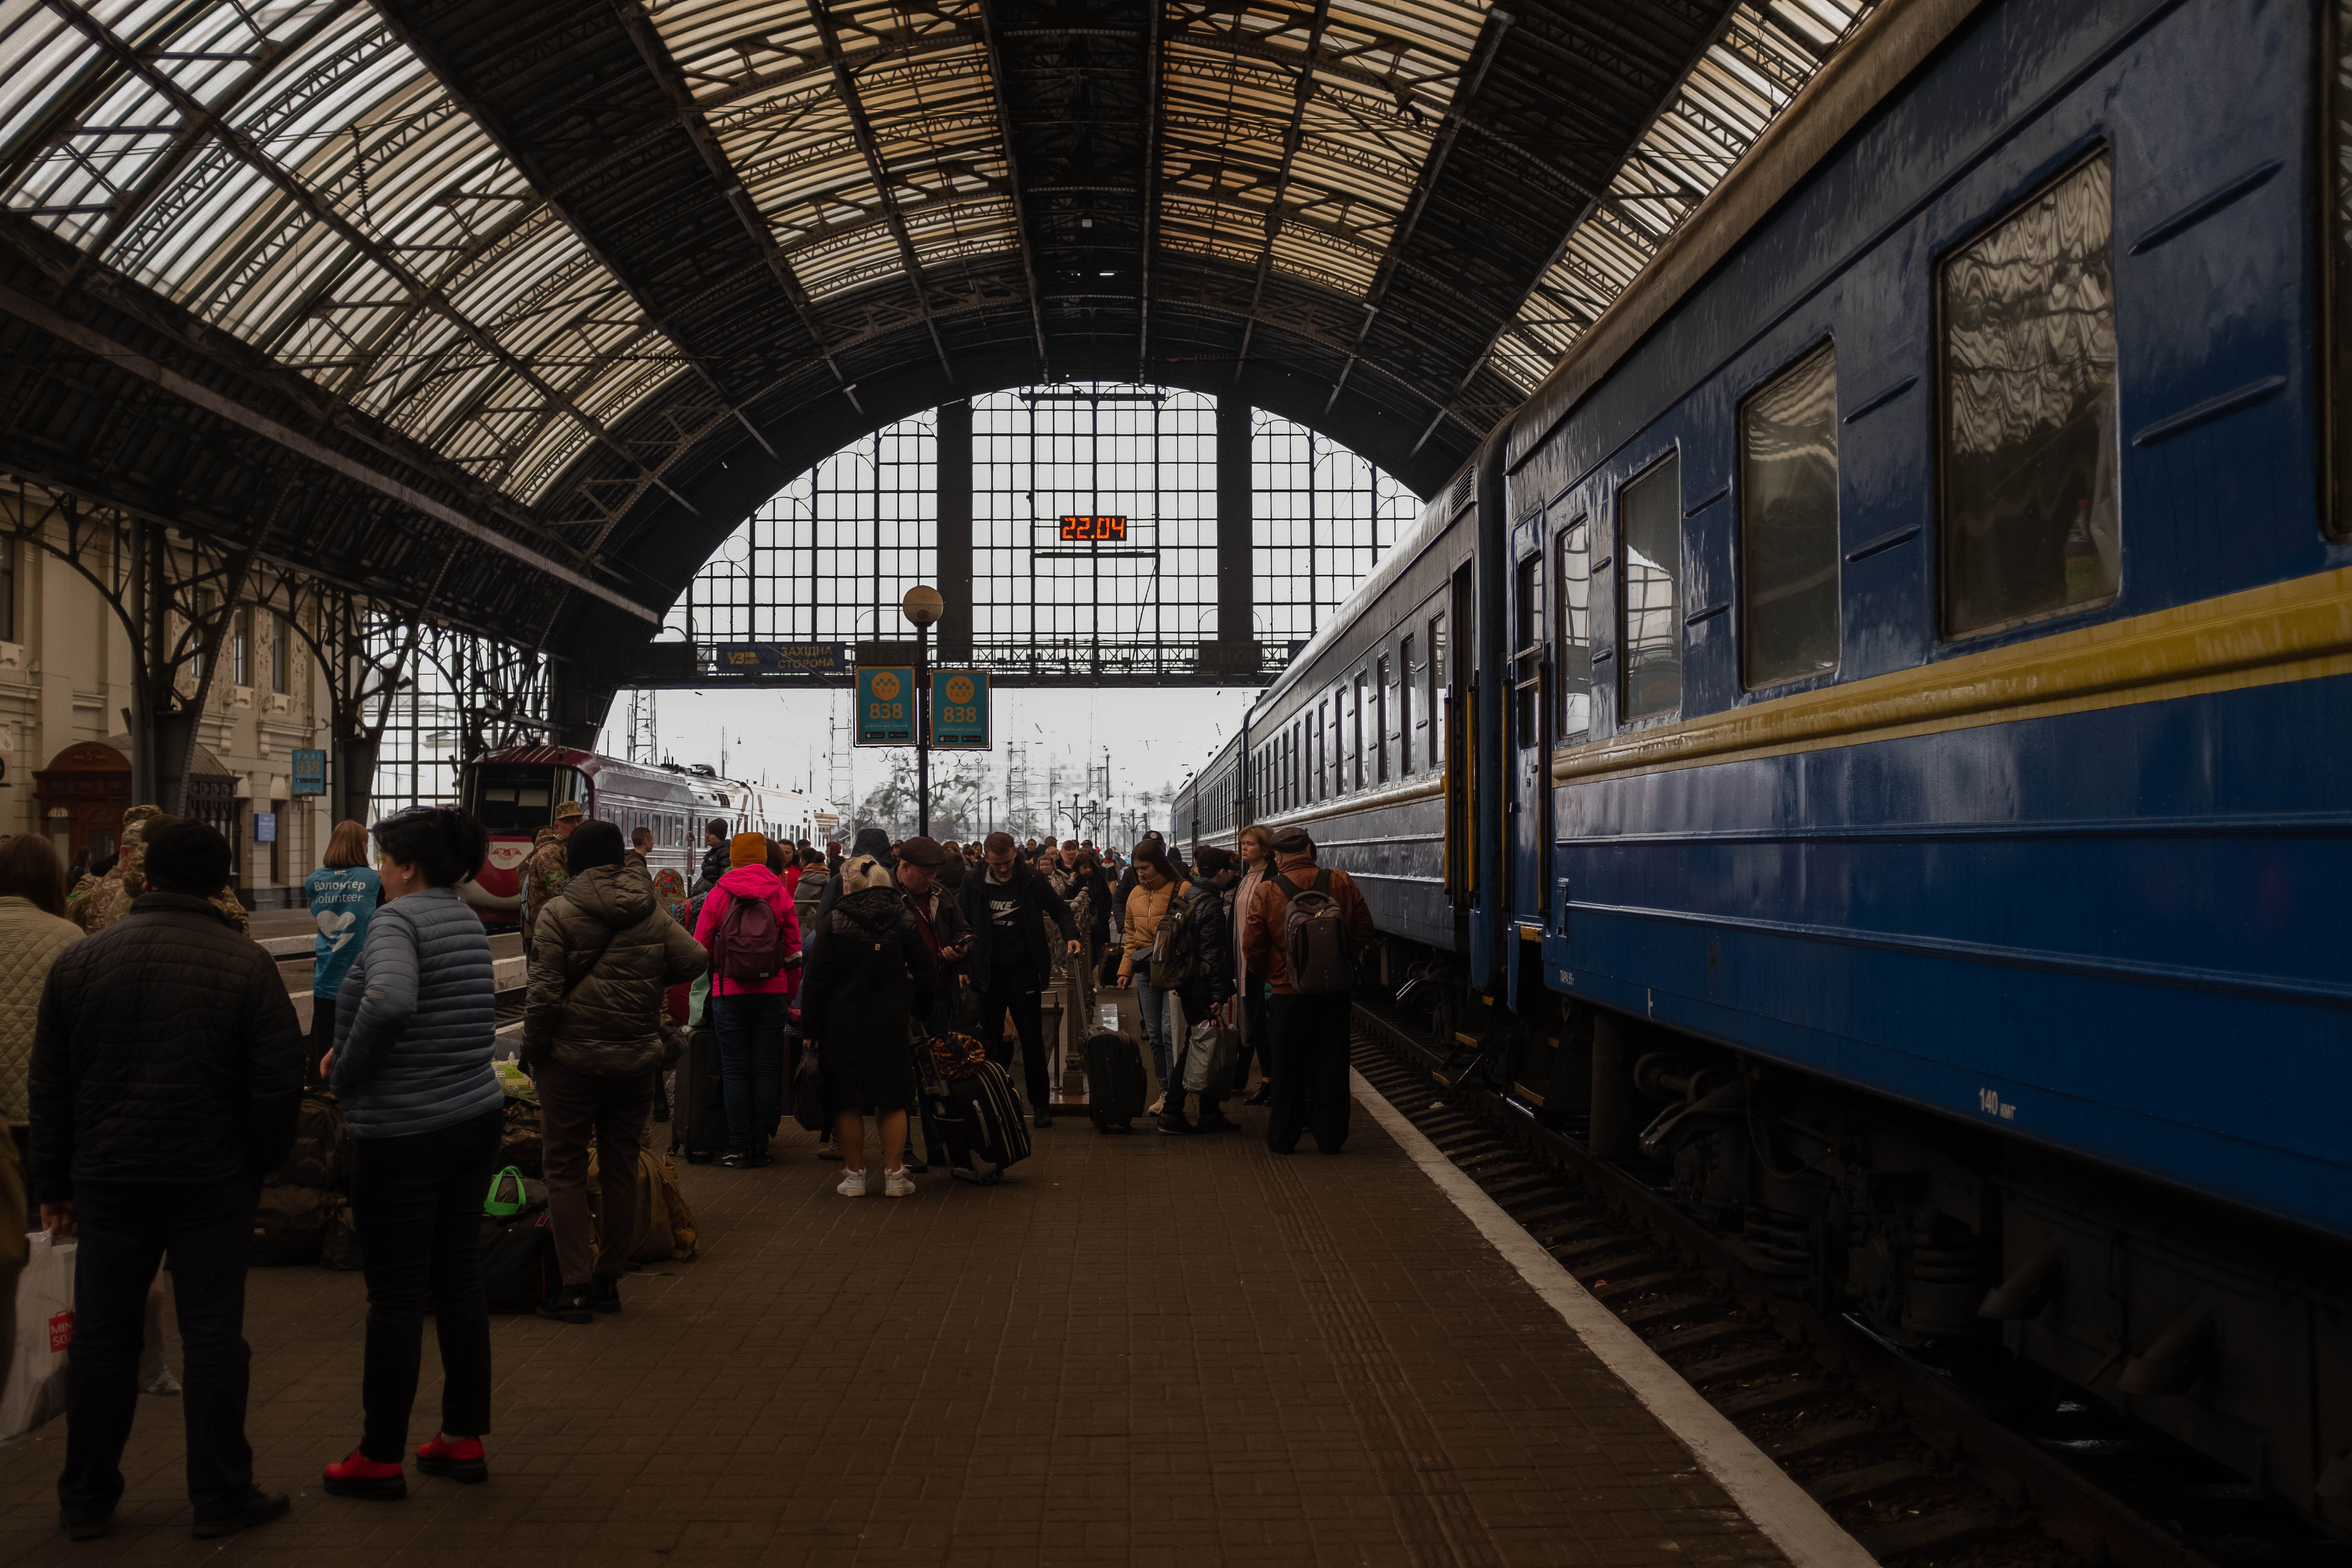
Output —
(748, 1014)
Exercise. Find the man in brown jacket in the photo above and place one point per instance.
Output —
(1307, 1016)
(602, 959)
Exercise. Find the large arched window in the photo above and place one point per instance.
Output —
(828, 557)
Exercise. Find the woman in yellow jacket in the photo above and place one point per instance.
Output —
(1156, 887)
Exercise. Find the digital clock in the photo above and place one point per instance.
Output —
(1095, 530)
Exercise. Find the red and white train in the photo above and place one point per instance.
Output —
(515, 790)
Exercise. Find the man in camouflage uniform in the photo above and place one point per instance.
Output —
(543, 874)
(97, 903)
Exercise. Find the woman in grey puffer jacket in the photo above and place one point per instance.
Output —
(412, 1066)
(603, 957)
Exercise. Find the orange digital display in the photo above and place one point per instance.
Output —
(1095, 530)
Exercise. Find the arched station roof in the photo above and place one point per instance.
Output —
(514, 310)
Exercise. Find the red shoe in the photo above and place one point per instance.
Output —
(356, 1475)
(458, 1459)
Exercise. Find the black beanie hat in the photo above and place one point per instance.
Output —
(593, 844)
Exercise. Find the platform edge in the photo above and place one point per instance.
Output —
(1775, 1504)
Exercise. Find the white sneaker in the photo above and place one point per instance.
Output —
(896, 1185)
(853, 1184)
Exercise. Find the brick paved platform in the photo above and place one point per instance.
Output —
(1136, 1351)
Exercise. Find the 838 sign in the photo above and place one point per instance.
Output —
(960, 709)
(886, 705)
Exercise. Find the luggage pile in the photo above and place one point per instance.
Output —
(304, 1216)
(969, 1113)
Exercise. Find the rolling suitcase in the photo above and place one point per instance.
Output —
(1115, 1089)
(978, 1123)
(698, 1121)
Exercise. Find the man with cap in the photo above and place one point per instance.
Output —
(1309, 1027)
(545, 873)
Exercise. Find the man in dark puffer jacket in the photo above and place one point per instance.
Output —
(167, 1077)
(603, 957)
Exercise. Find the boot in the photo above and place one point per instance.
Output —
(1214, 1119)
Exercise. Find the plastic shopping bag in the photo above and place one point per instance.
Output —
(35, 1389)
(1209, 1056)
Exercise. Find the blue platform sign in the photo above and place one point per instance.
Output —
(783, 658)
(960, 709)
(886, 705)
(310, 773)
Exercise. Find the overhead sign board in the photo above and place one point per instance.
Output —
(886, 705)
(783, 658)
(960, 709)
(310, 773)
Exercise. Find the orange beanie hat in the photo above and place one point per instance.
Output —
(747, 850)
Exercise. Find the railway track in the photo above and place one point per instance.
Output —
(1892, 1446)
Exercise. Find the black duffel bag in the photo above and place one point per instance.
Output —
(518, 1268)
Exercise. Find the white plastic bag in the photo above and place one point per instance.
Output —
(154, 1376)
(44, 1325)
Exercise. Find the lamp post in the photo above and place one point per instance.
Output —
(923, 606)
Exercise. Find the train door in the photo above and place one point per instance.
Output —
(1449, 653)
(1527, 829)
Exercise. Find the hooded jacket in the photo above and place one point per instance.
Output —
(608, 941)
(166, 1052)
(751, 882)
(871, 841)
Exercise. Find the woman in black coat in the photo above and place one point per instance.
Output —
(871, 975)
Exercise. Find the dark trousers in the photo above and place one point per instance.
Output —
(1018, 991)
(611, 1108)
(751, 1030)
(322, 1040)
(1249, 1005)
(417, 1202)
(126, 1227)
(1310, 1071)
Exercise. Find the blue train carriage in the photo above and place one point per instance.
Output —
(1927, 701)
(1357, 739)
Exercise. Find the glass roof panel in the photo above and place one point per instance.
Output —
(358, 239)
(1737, 88)
(371, 237)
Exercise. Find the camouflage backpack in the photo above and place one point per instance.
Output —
(321, 1156)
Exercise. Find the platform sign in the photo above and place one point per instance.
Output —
(310, 773)
(960, 709)
(886, 705)
(782, 658)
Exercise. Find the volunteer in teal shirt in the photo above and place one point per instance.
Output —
(344, 895)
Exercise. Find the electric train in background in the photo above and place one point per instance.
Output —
(515, 790)
(1869, 744)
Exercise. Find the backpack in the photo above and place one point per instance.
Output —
(1175, 952)
(749, 945)
(1315, 937)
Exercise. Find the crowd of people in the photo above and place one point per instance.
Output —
(152, 1068)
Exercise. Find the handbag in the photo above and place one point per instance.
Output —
(1209, 1056)
(808, 1091)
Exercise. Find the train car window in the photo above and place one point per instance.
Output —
(1649, 593)
(1380, 719)
(1318, 754)
(1404, 706)
(1526, 650)
(1788, 524)
(1437, 691)
(2029, 516)
(1357, 740)
(1572, 626)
